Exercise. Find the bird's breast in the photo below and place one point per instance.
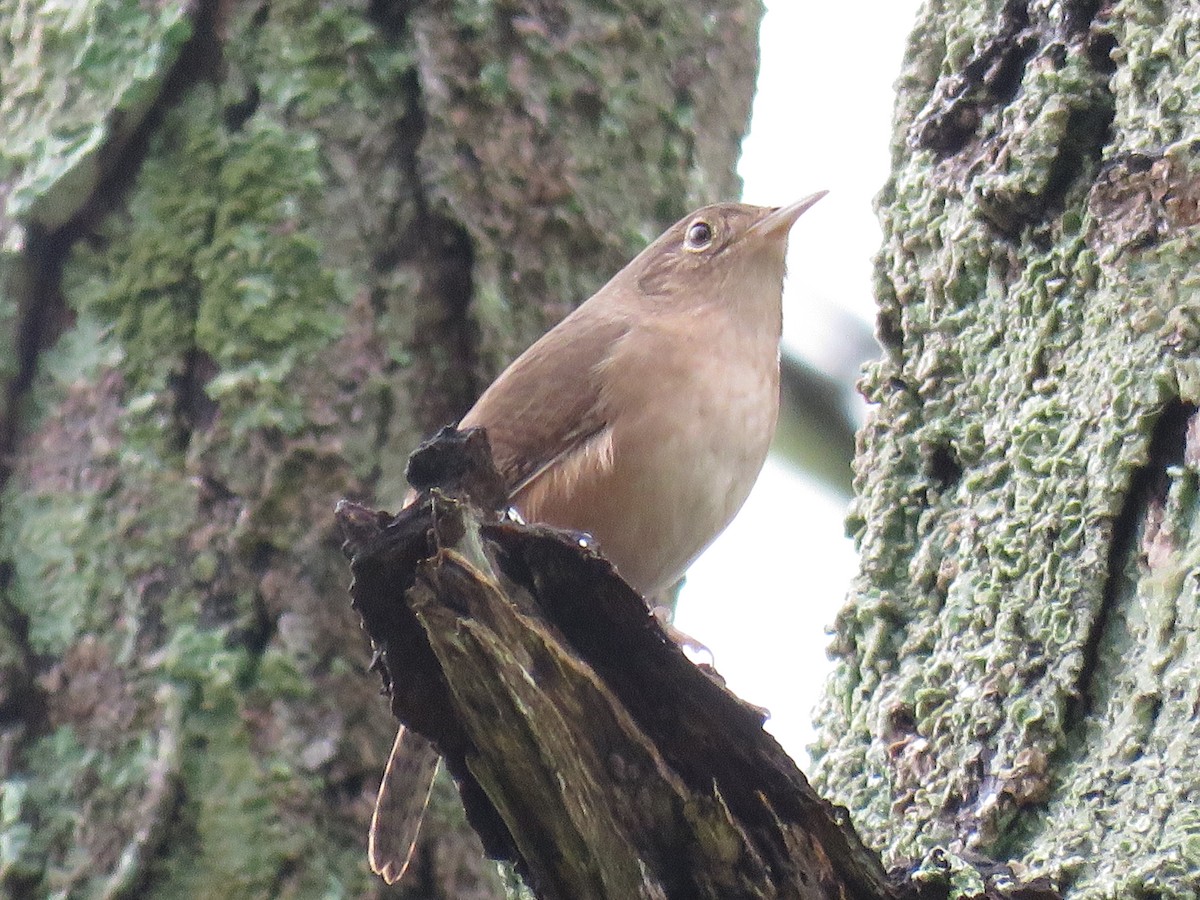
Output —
(690, 414)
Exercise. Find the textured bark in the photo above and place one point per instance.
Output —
(251, 252)
(1019, 661)
(587, 748)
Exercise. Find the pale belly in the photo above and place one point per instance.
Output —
(673, 475)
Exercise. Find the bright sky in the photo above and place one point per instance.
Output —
(822, 119)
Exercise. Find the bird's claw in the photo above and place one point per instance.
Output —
(682, 639)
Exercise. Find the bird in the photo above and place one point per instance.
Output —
(642, 420)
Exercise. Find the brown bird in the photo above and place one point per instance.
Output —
(642, 419)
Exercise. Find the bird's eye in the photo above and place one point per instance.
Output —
(699, 235)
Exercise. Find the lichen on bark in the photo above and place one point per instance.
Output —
(1014, 660)
(243, 275)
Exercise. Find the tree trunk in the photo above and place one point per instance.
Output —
(1018, 665)
(251, 253)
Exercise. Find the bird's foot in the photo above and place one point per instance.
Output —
(582, 539)
(690, 645)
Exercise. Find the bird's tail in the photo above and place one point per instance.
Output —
(400, 806)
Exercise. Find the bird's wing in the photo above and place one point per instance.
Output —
(400, 805)
(548, 403)
(545, 406)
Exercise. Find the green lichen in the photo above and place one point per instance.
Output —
(250, 327)
(221, 265)
(230, 790)
(585, 125)
(117, 53)
(75, 554)
(960, 879)
(82, 798)
(1010, 681)
(211, 257)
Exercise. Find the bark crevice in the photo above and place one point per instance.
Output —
(42, 311)
(439, 249)
(991, 77)
(1130, 532)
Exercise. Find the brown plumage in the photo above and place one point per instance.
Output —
(642, 419)
(400, 805)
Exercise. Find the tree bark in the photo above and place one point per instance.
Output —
(587, 748)
(1017, 667)
(251, 252)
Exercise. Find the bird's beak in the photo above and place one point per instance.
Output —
(780, 220)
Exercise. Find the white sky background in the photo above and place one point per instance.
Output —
(821, 120)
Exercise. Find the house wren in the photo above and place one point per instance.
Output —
(642, 419)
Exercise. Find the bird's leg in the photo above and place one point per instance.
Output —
(684, 640)
(692, 647)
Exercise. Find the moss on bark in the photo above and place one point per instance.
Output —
(1017, 661)
(251, 253)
